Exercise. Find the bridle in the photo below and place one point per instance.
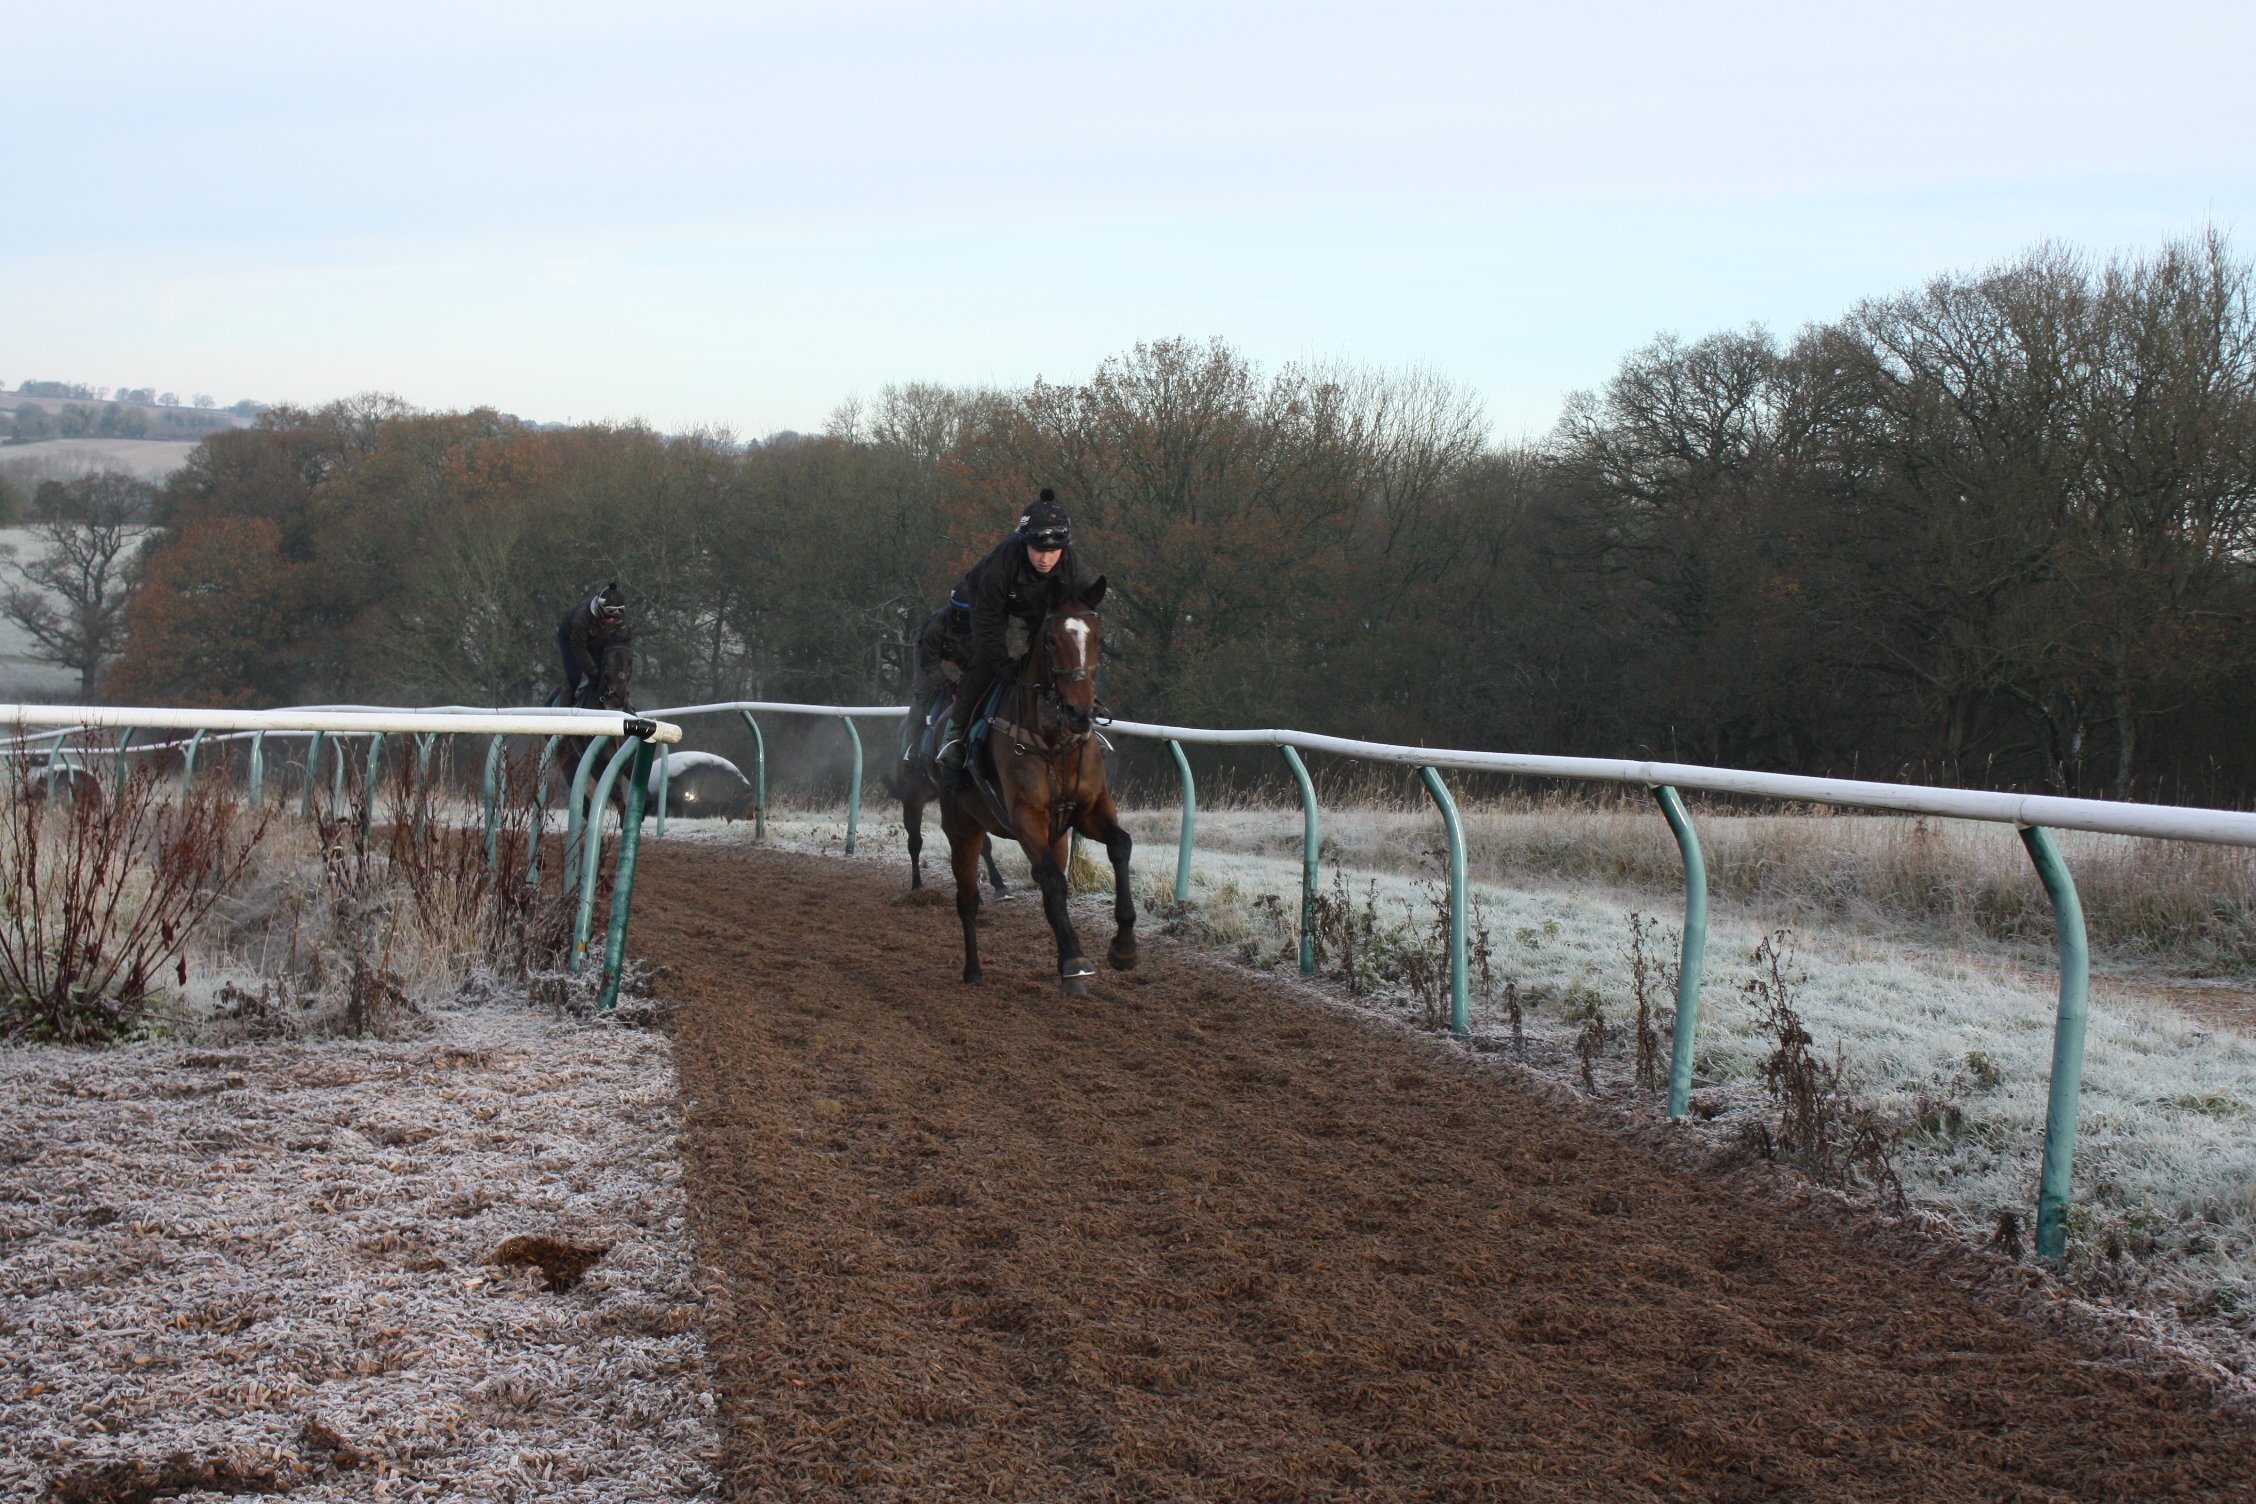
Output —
(1079, 722)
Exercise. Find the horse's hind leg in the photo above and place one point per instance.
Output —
(994, 873)
(912, 821)
(963, 857)
(1102, 824)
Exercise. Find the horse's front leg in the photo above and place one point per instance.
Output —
(1102, 823)
(1047, 857)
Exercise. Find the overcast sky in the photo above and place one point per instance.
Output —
(739, 214)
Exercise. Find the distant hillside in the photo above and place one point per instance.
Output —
(26, 465)
(31, 417)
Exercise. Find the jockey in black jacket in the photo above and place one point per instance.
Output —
(1014, 580)
(586, 630)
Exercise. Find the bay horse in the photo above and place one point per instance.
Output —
(1048, 781)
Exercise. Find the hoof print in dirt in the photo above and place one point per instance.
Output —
(136, 1480)
(323, 1447)
(559, 1262)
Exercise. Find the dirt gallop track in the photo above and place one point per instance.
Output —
(1193, 1238)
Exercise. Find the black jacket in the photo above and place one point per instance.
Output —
(1006, 584)
(585, 635)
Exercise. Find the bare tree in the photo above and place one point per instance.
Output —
(72, 595)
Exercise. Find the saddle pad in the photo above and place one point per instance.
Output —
(1003, 681)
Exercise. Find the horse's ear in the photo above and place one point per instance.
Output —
(1094, 593)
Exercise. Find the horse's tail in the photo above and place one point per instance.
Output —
(904, 781)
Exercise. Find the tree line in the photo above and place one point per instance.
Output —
(1992, 531)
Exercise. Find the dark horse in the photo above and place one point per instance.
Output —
(1048, 779)
(606, 690)
(916, 782)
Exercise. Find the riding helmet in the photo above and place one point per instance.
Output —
(611, 605)
(1045, 524)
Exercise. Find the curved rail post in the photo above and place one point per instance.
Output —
(1693, 956)
(313, 762)
(257, 780)
(854, 790)
(574, 822)
(491, 788)
(125, 740)
(53, 751)
(1460, 1004)
(337, 778)
(188, 760)
(1190, 822)
(622, 883)
(2067, 1042)
(591, 849)
(1310, 844)
(664, 760)
(375, 761)
(539, 818)
(759, 779)
(424, 745)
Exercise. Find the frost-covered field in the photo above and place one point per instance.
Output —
(268, 1267)
(1943, 1019)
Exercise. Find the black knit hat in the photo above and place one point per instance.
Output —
(1045, 524)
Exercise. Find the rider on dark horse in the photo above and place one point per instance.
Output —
(587, 630)
(973, 629)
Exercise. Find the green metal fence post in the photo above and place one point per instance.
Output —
(591, 847)
(854, 791)
(125, 740)
(258, 767)
(188, 760)
(1460, 1004)
(375, 760)
(759, 779)
(622, 883)
(665, 760)
(313, 762)
(492, 788)
(337, 769)
(539, 819)
(54, 752)
(1190, 820)
(1310, 844)
(573, 818)
(424, 746)
(1693, 957)
(2067, 1043)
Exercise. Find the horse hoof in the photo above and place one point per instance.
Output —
(973, 976)
(1072, 987)
(1077, 967)
(1122, 954)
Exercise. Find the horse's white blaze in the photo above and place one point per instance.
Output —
(1078, 629)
